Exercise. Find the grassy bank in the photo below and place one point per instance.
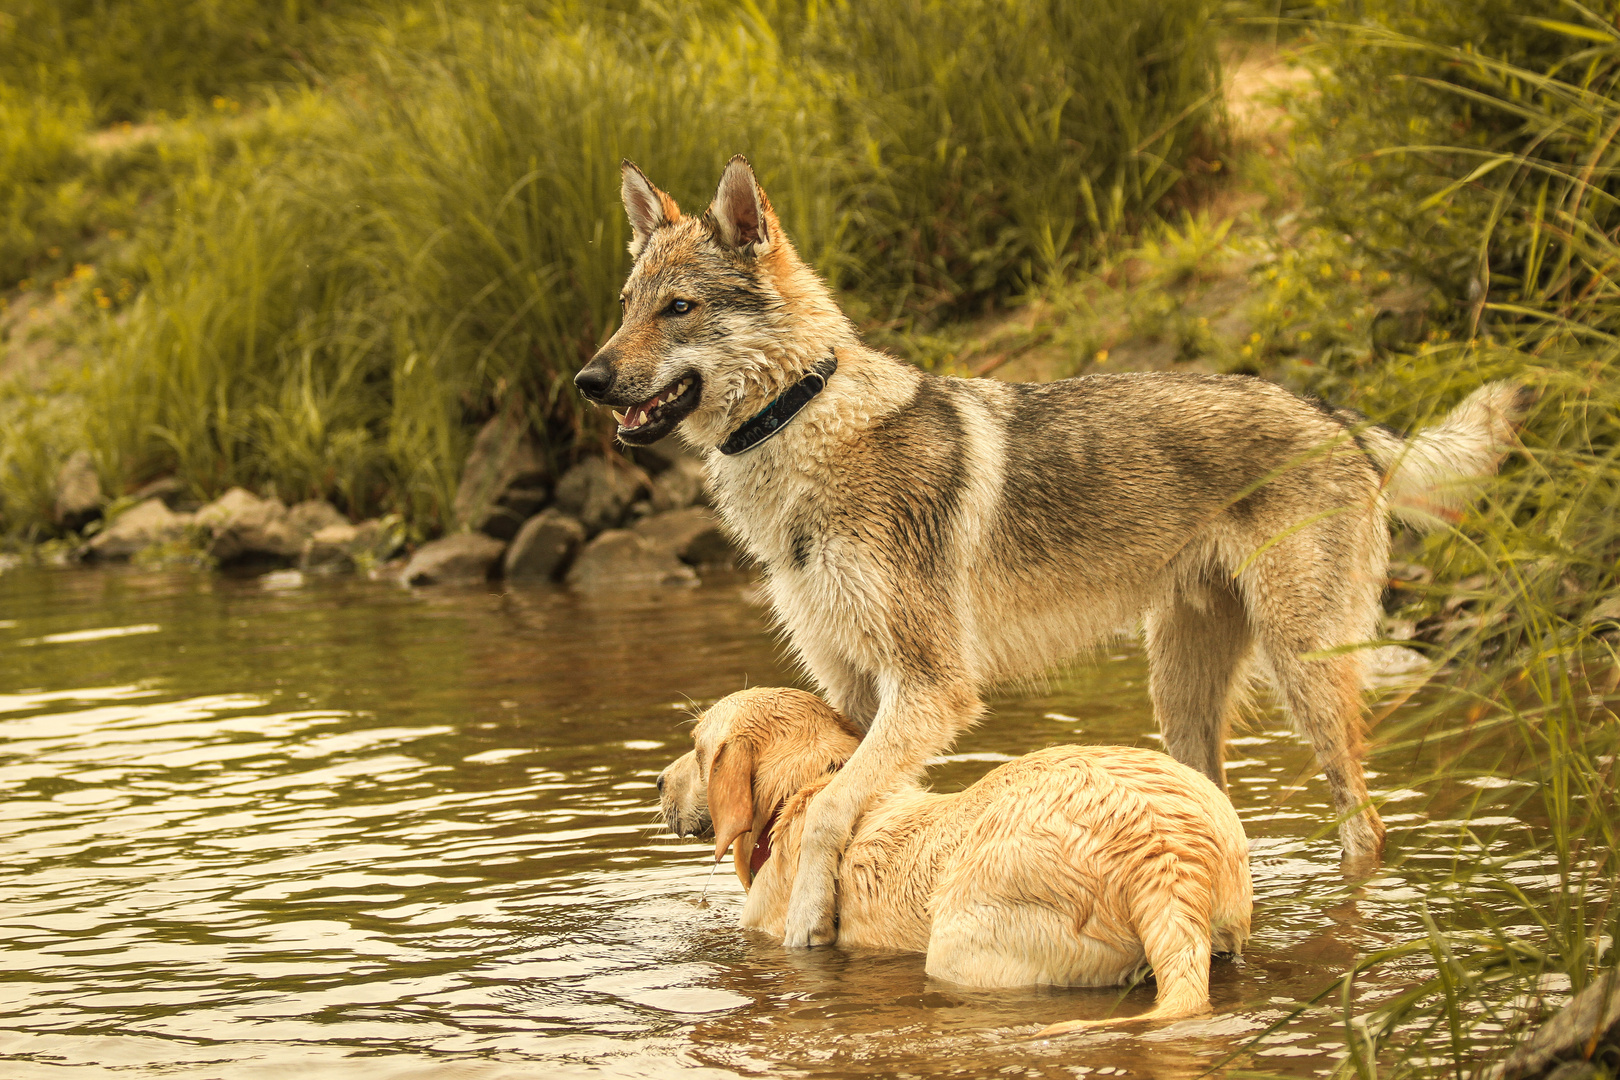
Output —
(1465, 155)
(382, 228)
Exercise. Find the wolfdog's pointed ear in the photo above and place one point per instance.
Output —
(647, 207)
(739, 209)
(731, 794)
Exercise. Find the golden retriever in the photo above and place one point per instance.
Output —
(1070, 866)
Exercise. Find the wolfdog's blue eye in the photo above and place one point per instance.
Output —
(680, 307)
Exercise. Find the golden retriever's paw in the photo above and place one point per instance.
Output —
(808, 928)
(822, 932)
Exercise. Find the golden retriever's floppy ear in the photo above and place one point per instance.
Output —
(731, 794)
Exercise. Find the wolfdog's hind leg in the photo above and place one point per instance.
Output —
(1198, 651)
(1309, 613)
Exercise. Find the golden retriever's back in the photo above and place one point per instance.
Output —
(1084, 862)
(1071, 866)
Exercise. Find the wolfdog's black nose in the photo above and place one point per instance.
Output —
(595, 378)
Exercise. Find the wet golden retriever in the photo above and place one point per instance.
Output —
(1071, 866)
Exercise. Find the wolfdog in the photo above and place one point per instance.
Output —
(923, 537)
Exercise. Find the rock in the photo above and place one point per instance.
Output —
(516, 506)
(342, 548)
(693, 535)
(312, 515)
(345, 548)
(543, 546)
(141, 526)
(378, 539)
(505, 479)
(598, 492)
(1591, 1018)
(679, 486)
(78, 492)
(330, 550)
(662, 454)
(247, 528)
(618, 558)
(167, 488)
(227, 506)
(461, 559)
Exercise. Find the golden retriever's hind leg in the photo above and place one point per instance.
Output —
(1183, 979)
(1172, 919)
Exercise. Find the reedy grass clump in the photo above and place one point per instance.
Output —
(129, 59)
(1509, 216)
(331, 309)
(448, 242)
(991, 142)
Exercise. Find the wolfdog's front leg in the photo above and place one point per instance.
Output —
(915, 721)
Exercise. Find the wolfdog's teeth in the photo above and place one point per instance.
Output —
(617, 415)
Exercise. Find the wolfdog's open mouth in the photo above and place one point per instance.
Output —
(657, 416)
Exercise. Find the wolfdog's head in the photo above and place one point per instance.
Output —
(720, 315)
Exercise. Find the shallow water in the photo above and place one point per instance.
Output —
(272, 828)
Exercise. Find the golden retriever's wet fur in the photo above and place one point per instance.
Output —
(1070, 866)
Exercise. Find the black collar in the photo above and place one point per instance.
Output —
(775, 416)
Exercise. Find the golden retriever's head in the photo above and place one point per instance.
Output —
(751, 751)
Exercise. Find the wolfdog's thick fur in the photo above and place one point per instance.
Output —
(923, 537)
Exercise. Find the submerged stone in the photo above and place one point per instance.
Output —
(618, 558)
(462, 558)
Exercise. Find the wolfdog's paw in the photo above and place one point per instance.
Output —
(1363, 840)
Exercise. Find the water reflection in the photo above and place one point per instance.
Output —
(339, 829)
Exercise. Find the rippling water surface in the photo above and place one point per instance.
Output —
(271, 828)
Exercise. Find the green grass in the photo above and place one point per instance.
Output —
(131, 59)
(336, 283)
(1470, 151)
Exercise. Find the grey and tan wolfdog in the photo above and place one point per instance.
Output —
(923, 537)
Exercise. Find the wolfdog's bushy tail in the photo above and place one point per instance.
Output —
(1433, 475)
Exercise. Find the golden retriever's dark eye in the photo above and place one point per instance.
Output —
(680, 307)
